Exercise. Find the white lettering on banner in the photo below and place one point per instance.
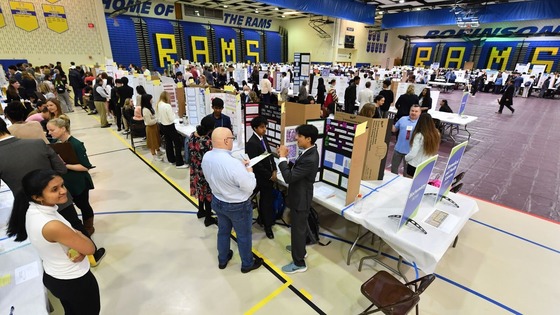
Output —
(149, 8)
(248, 21)
(489, 32)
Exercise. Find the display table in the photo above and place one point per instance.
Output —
(21, 271)
(444, 85)
(451, 122)
(388, 197)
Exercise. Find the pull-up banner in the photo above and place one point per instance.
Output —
(55, 17)
(25, 16)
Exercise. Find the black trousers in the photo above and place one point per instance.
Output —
(70, 214)
(78, 100)
(506, 105)
(299, 235)
(266, 213)
(118, 115)
(78, 296)
(82, 202)
(173, 144)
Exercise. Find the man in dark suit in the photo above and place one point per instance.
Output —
(124, 91)
(265, 172)
(507, 98)
(350, 96)
(300, 178)
(21, 156)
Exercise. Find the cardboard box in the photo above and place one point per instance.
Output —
(379, 133)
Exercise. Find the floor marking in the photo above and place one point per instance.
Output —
(516, 236)
(267, 299)
(107, 152)
(436, 274)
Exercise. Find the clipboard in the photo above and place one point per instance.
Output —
(66, 152)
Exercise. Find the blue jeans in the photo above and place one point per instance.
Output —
(240, 217)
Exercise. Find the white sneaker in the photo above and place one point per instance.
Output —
(157, 158)
(182, 166)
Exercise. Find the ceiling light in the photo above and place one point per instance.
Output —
(290, 12)
(283, 15)
(257, 11)
(225, 5)
(380, 12)
(276, 9)
(418, 9)
(401, 1)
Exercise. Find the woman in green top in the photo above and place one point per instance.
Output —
(78, 180)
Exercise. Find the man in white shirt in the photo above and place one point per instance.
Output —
(366, 95)
(232, 183)
(284, 86)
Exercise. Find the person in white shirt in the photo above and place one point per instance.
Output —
(173, 143)
(424, 143)
(284, 86)
(232, 183)
(366, 95)
(266, 89)
(62, 249)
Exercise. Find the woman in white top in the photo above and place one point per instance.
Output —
(173, 143)
(424, 143)
(266, 89)
(61, 248)
(152, 131)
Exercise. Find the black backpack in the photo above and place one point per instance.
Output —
(313, 229)
(60, 88)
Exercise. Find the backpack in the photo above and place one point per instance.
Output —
(313, 229)
(278, 204)
(60, 89)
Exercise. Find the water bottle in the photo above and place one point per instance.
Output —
(358, 203)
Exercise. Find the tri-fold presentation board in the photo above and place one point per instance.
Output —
(379, 133)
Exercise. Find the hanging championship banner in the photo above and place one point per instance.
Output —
(52, 1)
(55, 17)
(24, 15)
(2, 21)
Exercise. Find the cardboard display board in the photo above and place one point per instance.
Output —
(295, 114)
(195, 98)
(378, 131)
(343, 158)
(180, 101)
(273, 115)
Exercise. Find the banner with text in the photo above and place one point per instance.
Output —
(25, 16)
(451, 169)
(55, 17)
(419, 183)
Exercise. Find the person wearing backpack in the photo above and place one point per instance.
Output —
(265, 172)
(61, 88)
(300, 178)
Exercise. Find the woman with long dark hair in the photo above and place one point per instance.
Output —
(424, 143)
(321, 91)
(61, 248)
(12, 92)
(77, 179)
(200, 142)
(425, 100)
(152, 133)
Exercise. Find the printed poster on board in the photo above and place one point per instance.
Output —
(2, 21)
(419, 183)
(55, 17)
(25, 16)
(451, 169)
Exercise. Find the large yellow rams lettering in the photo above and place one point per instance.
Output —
(552, 51)
(228, 49)
(251, 53)
(449, 59)
(197, 52)
(423, 54)
(165, 53)
(500, 57)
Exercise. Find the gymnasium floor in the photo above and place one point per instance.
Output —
(161, 259)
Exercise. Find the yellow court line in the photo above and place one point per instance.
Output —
(161, 173)
(267, 299)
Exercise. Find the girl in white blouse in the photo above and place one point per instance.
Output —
(424, 143)
(61, 248)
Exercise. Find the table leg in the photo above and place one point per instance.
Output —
(377, 259)
(469, 138)
(353, 247)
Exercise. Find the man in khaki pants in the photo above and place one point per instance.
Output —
(99, 99)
